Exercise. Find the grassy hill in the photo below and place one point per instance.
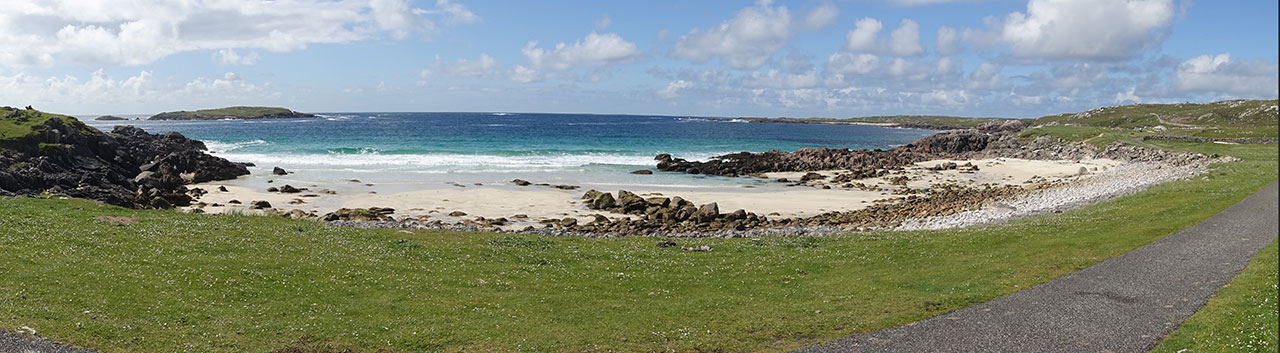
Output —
(19, 128)
(239, 112)
(1235, 118)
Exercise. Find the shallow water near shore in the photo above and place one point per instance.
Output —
(399, 152)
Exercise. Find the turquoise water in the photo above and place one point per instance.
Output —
(432, 148)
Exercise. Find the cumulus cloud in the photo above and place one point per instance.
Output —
(751, 37)
(1086, 29)
(101, 93)
(1221, 75)
(863, 35)
(903, 41)
(38, 32)
(848, 63)
(948, 41)
(231, 57)
(821, 17)
(594, 50)
(673, 89)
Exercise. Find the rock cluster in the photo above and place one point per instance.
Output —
(125, 167)
(360, 214)
(948, 144)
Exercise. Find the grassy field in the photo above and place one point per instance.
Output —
(1242, 317)
(204, 283)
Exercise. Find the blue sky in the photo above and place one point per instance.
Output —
(719, 58)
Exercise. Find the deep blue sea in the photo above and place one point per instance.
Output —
(497, 147)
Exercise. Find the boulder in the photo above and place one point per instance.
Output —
(289, 189)
(278, 171)
(643, 172)
(259, 205)
(630, 202)
(602, 201)
(707, 212)
(521, 182)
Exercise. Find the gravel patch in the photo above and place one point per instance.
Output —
(1122, 180)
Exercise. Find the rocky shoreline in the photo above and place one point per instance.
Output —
(125, 167)
(933, 206)
(132, 168)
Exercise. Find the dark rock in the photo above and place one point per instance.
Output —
(278, 171)
(259, 204)
(630, 202)
(707, 212)
(666, 243)
(125, 167)
(590, 194)
(521, 182)
(289, 189)
(222, 188)
(643, 172)
(361, 214)
(602, 201)
(273, 189)
(457, 214)
(566, 187)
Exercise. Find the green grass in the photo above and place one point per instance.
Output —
(1237, 117)
(1242, 317)
(20, 123)
(203, 283)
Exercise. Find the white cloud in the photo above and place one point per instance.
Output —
(673, 89)
(603, 22)
(821, 17)
(863, 35)
(594, 50)
(778, 79)
(751, 37)
(1086, 29)
(38, 32)
(948, 41)
(848, 63)
(231, 57)
(1219, 74)
(101, 93)
(453, 13)
(903, 41)
(484, 66)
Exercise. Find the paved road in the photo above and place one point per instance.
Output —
(1124, 304)
(11, 342)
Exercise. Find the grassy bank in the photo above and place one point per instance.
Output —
(1242, 317)
(180, 282)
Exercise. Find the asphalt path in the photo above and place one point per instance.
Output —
(1124, 304)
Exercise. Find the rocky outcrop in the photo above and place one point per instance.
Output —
(360, 214)
(125, 167)
(110, 118)
(994, 138)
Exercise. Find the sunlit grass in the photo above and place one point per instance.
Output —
(236, 283)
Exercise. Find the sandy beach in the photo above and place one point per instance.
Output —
(775, 199)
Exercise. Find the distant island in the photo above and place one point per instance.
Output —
(110, 118)
(235, 113)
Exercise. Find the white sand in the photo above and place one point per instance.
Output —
(494, 201)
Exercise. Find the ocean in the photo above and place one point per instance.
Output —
(404, 151)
